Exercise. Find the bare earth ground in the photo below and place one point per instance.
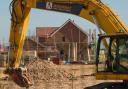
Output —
(50, 76)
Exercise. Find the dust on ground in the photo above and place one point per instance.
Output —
(46, 75)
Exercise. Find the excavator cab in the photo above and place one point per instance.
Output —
(112, 62)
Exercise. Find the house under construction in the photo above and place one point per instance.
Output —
(67, 42)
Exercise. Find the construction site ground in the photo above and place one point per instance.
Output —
(46, 75)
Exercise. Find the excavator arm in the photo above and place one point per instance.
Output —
(92, 10)
(19, 23)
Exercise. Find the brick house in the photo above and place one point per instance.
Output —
(67, 42)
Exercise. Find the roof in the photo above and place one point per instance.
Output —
(69, 29)
(45, 31)
(33, 39)
(68, 22)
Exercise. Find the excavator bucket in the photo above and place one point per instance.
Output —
(19, 76)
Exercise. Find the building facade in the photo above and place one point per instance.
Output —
(67, 42)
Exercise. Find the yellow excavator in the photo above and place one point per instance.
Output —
(92, 10)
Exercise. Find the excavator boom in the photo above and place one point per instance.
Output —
(88, 9)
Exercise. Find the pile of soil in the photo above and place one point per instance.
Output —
(42, 70)
(43, 75)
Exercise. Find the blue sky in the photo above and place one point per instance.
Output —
(46, 18)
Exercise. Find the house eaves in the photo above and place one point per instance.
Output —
(64, 25)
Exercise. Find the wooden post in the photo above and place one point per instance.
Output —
(76, 52)
(89, 56)
(69, 51)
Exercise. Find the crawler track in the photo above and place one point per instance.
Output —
(109, 85)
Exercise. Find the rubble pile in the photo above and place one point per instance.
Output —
(43, 75)
(41, 70)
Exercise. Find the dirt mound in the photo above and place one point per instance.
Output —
(41, 70)
(44, 75)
